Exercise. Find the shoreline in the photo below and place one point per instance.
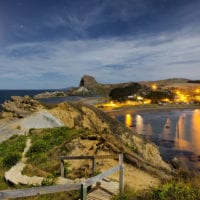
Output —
(149, 108)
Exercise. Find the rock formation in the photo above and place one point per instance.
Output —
(50, 95)
(19, 107)
(88, 82)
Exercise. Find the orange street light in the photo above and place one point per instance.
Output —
(154, 86)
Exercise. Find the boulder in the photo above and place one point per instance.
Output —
(19, 106)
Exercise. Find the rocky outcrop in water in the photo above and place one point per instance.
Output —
(50, 95)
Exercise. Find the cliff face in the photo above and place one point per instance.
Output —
(88, 82)
(115, 135)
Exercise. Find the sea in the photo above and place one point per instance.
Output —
(6, 94)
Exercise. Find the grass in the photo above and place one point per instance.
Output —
(73, 195)
(185, 186)
(10, 153)
(47, 146)
(43, 157)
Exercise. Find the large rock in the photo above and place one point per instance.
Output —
(50, 95)
(19, 107)
(88, 82)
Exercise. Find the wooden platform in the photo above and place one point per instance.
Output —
(105, 191)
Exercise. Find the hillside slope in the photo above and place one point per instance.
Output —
(137, 150)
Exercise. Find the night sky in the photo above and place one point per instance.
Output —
(53, 43)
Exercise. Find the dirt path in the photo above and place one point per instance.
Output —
(40, 119)
(14, 175)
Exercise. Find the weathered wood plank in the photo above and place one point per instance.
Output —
(88, 157)
(62, 168)
(99, 177)
(121, 173)
(99, 195)
(83, 192)
(27, 192)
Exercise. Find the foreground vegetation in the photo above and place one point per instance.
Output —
(10, 153)
(47, 146)
(43, 160)
(43, 157)
(185, 186)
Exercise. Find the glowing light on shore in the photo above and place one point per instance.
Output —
(154, 87)
(177, 92)
(139, 98)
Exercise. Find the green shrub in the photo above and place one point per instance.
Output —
(46, 147)
(39, 146)
(49, 180)
(11, 150)
(176, 191)
(172, 190)
(11, 159)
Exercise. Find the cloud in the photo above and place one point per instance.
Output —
(109, 60)
(84, 19)
(97, 19)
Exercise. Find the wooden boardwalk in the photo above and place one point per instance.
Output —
(101, 187)
(104, 191)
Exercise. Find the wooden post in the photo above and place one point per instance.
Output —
(83, 191)
(62, 168)
(121, 173)
(93, 166)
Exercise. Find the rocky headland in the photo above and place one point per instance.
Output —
(89, 86)
(92, 87)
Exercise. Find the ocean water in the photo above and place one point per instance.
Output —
(176, 132)
(6, 94)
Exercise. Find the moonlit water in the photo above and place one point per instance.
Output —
(176, 132)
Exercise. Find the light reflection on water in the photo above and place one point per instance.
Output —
(176, 132)
(195, 131)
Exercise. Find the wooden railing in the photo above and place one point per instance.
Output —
(92, 158)
(27, 192)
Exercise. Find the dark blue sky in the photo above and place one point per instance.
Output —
(51, 44)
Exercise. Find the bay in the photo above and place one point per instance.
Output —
(176, 132)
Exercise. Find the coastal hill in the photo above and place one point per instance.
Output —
(177, 83)
(89, 86)
(93, 132)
